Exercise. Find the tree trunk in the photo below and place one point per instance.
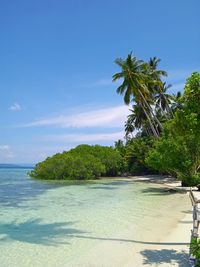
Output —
(150, 109)
(156, 134)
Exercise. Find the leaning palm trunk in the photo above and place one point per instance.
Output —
(150, 110)
(169, 110)
(151, 116)
(153, 128)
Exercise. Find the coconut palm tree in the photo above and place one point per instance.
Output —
(129, 128)
(138, 120)
(153, 63)
(163, 100)
(137, 116)
(177, 104)
(137, 76)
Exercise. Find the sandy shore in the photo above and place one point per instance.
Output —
(169, 249)
(172, 250)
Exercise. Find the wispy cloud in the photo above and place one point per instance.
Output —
(15, 107)
(111, 117)
(89, 138)
(5, 152)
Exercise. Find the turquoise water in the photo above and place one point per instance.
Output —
(49, 224)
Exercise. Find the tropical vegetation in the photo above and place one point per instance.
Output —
(170, 123)
(162, 131)
(195, 250)
(82, 163)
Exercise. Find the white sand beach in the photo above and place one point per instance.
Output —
(171, 248)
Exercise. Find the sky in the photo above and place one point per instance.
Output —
(57, 61)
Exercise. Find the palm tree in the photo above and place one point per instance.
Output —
(153, 63)
(159, 88)
(129, 128)
(177, 104)
(132, 75)
(163, 99)
(138, 120)
(137, 116)
(137, 76)
(119, 145)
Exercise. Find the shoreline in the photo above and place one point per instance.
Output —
(170, 249)
(173, 248)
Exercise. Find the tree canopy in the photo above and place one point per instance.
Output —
(82, 163)
(178, 149)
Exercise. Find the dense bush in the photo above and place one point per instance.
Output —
(178, 150)
(195, 250)
(82, 163)
(136, 152)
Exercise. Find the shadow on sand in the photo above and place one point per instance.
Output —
(154, 257)
(132, 241)
(170, 256)
(36, 232)
(157, 191)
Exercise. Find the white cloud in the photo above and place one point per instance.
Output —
(89, 138)
(101, 118)
(15, 107)
(5, 152)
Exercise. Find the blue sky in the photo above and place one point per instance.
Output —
(57, 61)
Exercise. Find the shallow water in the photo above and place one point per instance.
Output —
(49, 224)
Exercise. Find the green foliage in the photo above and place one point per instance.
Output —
(168, 138)
(136, 152)
(82, 163)
(142, 84)
(120, 146)
(195, 249)
(178, 150)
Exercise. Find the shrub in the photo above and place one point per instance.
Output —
(195, 250)
(136, 152)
